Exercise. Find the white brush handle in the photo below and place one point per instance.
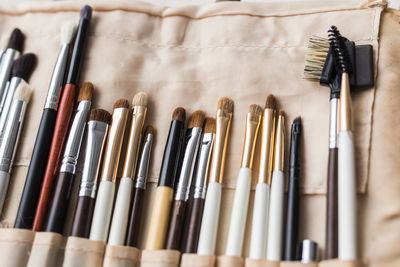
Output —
(259, 229)
(239, 214)
(102, 211)
(275, 217)
(347, 210)
(121, 213)
(4, 180)
(209, 223)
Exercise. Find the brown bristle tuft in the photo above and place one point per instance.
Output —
(209, 125)
(270, 103)
(140, 99)
(255, 110)
(99, 114)
(179, 114)
(196, 119)
(149, 130)
(121, 103)
(86, 92)
(226, 104)
(281, 112)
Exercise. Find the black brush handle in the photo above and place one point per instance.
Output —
(83, 217)
(331, 240)
(134, 219)
(37, 167)
(196, 214)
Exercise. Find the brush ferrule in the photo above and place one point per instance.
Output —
(143, 167)
(250, 138)
(138, 117)
(73, 146)
(9, 98)
(3, 100)
(267, 146)
(189, 159)
(279, 153)
(56, 82)
(346, 107)
(333, 123)
(5, 69)
(203, 161)
(95, 140)
(223, 123)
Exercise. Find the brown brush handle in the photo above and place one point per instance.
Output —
(176, 225)
(135, 217)
(331, 243)
(196, 215)
(57, 145)
(83, 217)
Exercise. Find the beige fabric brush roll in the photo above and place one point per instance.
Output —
(47, 250)
(83, 252)
(15, 247)
(121, 256)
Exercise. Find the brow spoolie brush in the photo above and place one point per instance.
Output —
(37, 166)
(63, 118)
(160, 214)
(140, 187)
(119, 222)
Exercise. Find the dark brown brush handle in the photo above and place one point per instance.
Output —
(331, 241)
(134, 218)
(196, 215)
(83, 217)
(176, 225)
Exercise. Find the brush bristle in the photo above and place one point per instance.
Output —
(67, 32)
(121, 103)
(281, 112)
(86, 92)
(86, 12)
(341, 56)
(209, 125)
(99, 114)
(196, 119)
(23, 66)
(179, 114)
(317, 52)
(149, 130)
(270, 102)
(297, 120)
(140, 99)
(23, 92)
(16, 40)
(226, 104)
(255, 110)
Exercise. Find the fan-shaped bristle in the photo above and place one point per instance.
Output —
(67, 32)
(86, 92)
(140, 99)
(270, 102)
(179, 114)
(86, 12)
(341, 56)
(23, 92)
(99, 114)
(23, 66)
(149, 130)
(121, 103)
(209, 125)
(317, 52)
(196, 119)
(226, 104)
(16, 40)
(255, 110)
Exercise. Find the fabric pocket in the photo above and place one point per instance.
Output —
(297, 264)
(83, 252)
(47, 250)
(195, 260)
(341, 263)
(15, 245)
(230, 261)
(261, 263)
(121, 256)
(160, 258)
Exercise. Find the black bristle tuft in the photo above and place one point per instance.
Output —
(16, 40)
(86, 12)
(297, 120)
(340, 52)
(23, 66)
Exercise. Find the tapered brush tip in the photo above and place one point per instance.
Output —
(86, 12)
(281, 112)
(270, 102)
(255, 110)
(179, 114)
(297, 120)
(196, 119)
(225, 104)
(67, 32)
(101, 115)
(140, 99)
(16, 40)
(86, 92)
(209, 125)
(149, 130)
(121, 103)
(23, 92)
(24, 66)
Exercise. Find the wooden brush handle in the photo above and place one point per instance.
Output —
(331, 241)
(57, 145)
(135, 217)
(176, 225)
(83, 217)
(196, 215)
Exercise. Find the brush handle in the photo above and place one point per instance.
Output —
(331, 241)
(57, 144)
(209, 224)
(292, 220)
(176, 225)
(259, 229)
(121, 213)
(347, 197)
(275, 217)
(237, 226)
(4, 181)
(37, 167)
(195, 217)
(135, 217)
(83, 217)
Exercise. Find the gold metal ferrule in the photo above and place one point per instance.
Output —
(250, 137)
(267, 146)
(279, 153)
(114, 143)
(223, 123)
(138, 118)
(345, 105)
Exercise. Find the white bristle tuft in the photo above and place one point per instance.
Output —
(67, 32)
(140, 99)
(23, 92)
(318, 49)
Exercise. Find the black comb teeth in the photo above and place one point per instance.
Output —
(338, 43)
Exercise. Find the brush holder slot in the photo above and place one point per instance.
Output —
(15, 246)
(230, 261)
(160, 258)
(121, 256)
(195, 260)
(83, 252)
(341, 263)
(47, 250)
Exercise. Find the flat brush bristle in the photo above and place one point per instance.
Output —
(140, 99)
(196, 119)
(24, 66)
(317, 52)
(67, 32)
(16, 40)
(255, 110)
(149, 130)
(225, 104)
(270, 102)
(101, 115)
(86, 92)
(86, 12)
(179, 114)
(297, 120)
(23, 92)
(121, 103)
(209, 125)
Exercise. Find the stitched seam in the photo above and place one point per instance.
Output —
(85, 250)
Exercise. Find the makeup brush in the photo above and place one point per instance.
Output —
(121, 209)
(192, 140)
(12, 132)
(97, 128)
(63, 118)
(293, 200)
(209, 224)
(37, 166)
(105, 195)
(237, 225)
(140, 187)
(276, 204)
(159, 218)
(65, 181)
(259, 229)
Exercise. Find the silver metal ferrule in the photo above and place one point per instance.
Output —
(203, 162)
(333, 125)
(189, 160)
(143, 166)
(96, 139)
(3, 99)
(57, 78)
(309, 251)
(74, 141)
(6, 64)
(11, 135)
(15, 81)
